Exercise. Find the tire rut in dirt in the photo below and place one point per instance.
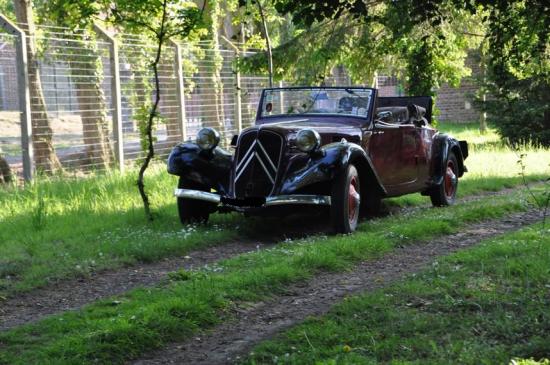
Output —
(234, 339)
(73, 294)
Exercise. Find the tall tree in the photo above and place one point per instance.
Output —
(42, 134)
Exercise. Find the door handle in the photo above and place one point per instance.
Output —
(378, 132)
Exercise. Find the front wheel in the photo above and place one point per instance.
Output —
(192, 210)
(345, 201)
(445, 193)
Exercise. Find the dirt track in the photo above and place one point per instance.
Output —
(72, 294)
(233, 340)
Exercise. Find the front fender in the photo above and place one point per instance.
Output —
(323, 165)
(209, 168)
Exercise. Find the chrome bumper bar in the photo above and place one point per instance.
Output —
(298, 199)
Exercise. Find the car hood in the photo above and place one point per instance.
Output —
(330, 129)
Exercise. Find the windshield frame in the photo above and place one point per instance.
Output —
(367, 119)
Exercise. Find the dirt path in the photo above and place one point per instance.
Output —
(233, 340)
(72, 294)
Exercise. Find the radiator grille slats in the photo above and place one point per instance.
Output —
(258, 159)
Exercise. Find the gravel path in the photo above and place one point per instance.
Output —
(233, 340)
(72, 294)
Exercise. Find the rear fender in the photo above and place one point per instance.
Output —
(325, 164)
(209, 168)
(443, 145)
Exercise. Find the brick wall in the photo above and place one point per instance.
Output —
(456, 104)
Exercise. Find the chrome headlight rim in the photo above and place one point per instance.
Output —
(207, 139)
(308, 140)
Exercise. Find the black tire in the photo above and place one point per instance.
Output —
(343, 216)
(192, 210)
(445, 193)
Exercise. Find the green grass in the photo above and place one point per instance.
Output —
(470, 132)
(486, 305)
(61, 228)
(111, 331)
(490, 157)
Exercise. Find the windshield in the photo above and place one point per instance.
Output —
(327, 101)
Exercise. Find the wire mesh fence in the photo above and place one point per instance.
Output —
(72, 110)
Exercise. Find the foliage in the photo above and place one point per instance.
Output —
(518, 72)
(377, 36)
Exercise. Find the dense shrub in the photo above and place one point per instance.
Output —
(522, 114)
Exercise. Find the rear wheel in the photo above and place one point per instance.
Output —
(192, 210)
(445, 193)
(345, 201)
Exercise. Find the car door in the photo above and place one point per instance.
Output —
(393, 151)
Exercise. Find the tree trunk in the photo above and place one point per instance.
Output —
(44, 153)
(5, 171)
(87, 72)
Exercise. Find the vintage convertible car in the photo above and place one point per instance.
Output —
(340, 148)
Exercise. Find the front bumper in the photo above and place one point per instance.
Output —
(296, 199)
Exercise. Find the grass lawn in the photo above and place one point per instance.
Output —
(67, 227)
(486, 305)
(60, 228)
(111, 331)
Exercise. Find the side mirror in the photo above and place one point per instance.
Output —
(384, 116)
(234, 140)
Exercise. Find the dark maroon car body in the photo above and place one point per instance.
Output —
(391, 156)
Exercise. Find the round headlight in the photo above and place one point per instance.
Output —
(208, 138)
(308, 140)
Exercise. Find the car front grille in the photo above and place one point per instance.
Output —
(258, 159)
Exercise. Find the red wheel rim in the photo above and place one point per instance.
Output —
(450, 180)
(354, 200)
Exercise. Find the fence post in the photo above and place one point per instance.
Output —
(116, 102)
(238, 96)
(24, 95)
(182, 118)
(281, 97)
